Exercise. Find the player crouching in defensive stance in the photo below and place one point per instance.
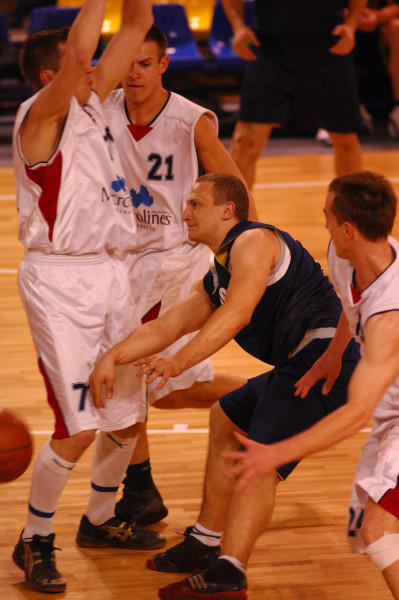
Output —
(364, 266)
(269, 294)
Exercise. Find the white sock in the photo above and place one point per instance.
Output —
(111, 456)
(206, 536)
(50, 474)
(234, 561)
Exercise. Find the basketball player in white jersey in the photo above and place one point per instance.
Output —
(364, 266)
(75, 220)
(164, 140)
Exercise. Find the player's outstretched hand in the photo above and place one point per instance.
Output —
(243, 39)
(327, 367)
(346, 43)
(103, 373)
(158, 366)
(252, 464)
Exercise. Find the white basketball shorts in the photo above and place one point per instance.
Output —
(77, 308)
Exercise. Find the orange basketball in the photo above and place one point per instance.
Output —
(15, 446)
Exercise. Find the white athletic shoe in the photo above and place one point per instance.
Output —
(323, 138)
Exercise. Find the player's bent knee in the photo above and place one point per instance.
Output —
(247, 146)
(384, 551)
(221, 428)
(84, 438)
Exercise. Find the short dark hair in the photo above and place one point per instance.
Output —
(41, 50)
(366, 200)
(155, 34)
(228, 188)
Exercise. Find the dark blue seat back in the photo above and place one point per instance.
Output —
(221, 36)
(182, 47)
(4, 34)
(52, 17)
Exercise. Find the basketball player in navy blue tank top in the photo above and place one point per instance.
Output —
(268, 293)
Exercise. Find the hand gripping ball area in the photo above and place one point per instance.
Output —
(15, 446)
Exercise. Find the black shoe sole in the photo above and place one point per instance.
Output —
(36, 586)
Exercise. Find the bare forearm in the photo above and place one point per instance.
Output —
(136, 20)
(342, 336)
(234, 10)
(366, 388)
(385, 14)
(220, 329)
(138, 14)
(85, 31)
(146, 340)
(337, 426)
(355, 9)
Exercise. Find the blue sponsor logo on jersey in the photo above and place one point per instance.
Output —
(142, 197)
(118, 184)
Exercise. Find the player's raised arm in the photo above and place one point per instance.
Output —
(214, 157)
(71, 72)
(136, 20)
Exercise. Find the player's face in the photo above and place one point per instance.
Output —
(336, 231)
(201, 215)
(144, 77)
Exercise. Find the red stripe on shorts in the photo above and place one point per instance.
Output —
(60, 430)
(390, 501)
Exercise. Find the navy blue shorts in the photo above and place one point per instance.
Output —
(267, 409)
(301, 80)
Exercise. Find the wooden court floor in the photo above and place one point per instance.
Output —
(304, 554)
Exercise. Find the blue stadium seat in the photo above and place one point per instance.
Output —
(51, 17)
(13, 90)
(182, 48)
(4, 34)
(221, 36)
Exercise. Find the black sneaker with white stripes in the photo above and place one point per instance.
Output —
(36, 557)
(188, 556)
(121, 534)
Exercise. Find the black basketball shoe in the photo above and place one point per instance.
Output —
(36, 557)
(188, 556)
(121, 534)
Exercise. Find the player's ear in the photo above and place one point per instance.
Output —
(228, 210)
(164, 63)
(46, 75)
(348, 229)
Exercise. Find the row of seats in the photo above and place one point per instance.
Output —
(199, 15)
(185, 56)
(183, 50)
